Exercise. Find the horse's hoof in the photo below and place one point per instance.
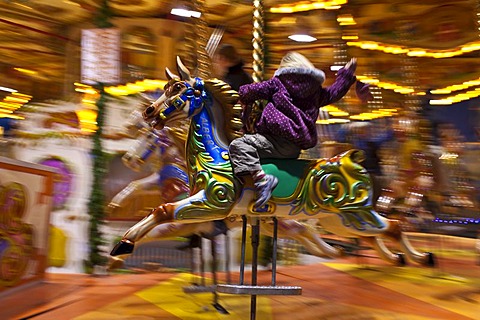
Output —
(220, 308)
(115, 263)
(341, 251)
(123, 247)
(401, 262)
(431, 259)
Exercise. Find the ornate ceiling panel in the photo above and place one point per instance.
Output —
(36, 34)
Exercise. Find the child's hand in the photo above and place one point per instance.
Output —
(352, 64)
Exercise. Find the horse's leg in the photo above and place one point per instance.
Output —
(395, 234)
(318, 244)
(383, 252)
(307, 237)
(165, 231)
(162, 214)
(142, 184)
(373, 235)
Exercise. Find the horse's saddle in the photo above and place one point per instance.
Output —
(288, 171)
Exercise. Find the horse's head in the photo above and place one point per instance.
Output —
(184, 96)
(146, 144)
(134, 125)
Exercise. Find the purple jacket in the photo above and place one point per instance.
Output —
(294, 97)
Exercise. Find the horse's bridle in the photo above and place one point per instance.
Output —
(195, 94)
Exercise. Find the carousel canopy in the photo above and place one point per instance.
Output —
(403, 47)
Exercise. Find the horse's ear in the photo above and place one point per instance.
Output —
(184, 73)
(170, 75)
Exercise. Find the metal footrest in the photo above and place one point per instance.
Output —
(199, 289)
(259, 290)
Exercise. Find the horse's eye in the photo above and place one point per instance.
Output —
(149, 110)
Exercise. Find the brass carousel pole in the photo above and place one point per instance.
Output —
(203, 60)
(190, 46)
(258, 76)
(258, 41)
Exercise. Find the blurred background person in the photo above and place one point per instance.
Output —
(228, 66)
(370, 138)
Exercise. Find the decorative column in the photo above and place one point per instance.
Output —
(100, 65)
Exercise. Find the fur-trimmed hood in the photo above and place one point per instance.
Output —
(318, 74)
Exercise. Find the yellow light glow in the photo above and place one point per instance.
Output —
(78, 84)
(349, 37)
(369, 45)
(287, 20)
(21, 95)
(12, 116)
(133, 88)
(404, 90)
(303, 6)
(10, 105)
(330, 108)
(86, 90)
(331, 121)
(88, 101)
(440, 102)
(359, 117)
(88, 120)
(333, 8)
(339, 114)
(416, 52)
(322, 121)
(26, 71)
(345, 20)
(15, 99)
(472, 83)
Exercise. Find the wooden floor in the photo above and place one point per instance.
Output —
(352, 288)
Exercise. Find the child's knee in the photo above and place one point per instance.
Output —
(235, 145)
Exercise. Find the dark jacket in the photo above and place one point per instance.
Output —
(294, 97)
(237, 76)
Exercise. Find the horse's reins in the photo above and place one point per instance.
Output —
(195, 94)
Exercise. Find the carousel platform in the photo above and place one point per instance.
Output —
(354, 287)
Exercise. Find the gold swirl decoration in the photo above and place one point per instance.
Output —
(340, 185)
(16, 237)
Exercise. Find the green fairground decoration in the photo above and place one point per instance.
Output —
(102, 18)
(96, 204)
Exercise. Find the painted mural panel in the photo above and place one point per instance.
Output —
(25, 204)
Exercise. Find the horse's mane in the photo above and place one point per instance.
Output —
(232, 110)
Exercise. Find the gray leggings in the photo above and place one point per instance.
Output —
(246, 152)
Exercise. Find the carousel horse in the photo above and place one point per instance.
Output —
(173, 185)
(302, 232)
(336, 191)
(169, 173)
